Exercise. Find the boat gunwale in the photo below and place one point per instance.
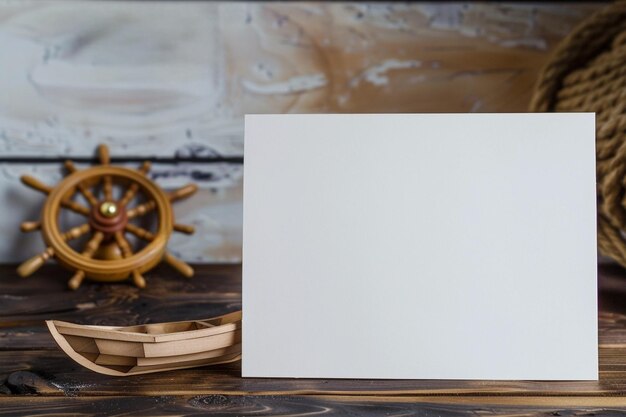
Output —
(96, 332)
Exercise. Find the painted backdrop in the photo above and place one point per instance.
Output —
(172, 81)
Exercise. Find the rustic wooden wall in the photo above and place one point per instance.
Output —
(172, 81)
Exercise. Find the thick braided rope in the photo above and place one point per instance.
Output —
(587, 72)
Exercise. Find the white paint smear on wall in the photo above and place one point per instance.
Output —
(292, 85)
(378, 74)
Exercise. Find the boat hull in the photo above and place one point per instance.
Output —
(134, 350)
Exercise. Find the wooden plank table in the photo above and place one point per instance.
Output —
(37, 378)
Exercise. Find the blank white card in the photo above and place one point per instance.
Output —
(452, 246)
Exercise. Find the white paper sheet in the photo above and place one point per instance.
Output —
(452, 246)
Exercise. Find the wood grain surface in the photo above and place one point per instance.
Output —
(227, 405)
(172, 81)
(36, 376)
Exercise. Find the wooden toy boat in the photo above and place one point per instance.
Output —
(133, 350)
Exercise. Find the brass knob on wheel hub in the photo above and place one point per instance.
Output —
(108, 209)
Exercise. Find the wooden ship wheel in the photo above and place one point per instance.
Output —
(106, 253)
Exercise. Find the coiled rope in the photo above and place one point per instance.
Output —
(587, 73)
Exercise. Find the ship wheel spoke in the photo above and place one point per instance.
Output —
(35, 184)
(86, 192)
(178, 264)
(145, 167)
(76, 232)
(33, 264)
(183, 192)
(75, 207)
(30, 226)
(185, 228)
(140, 232)
(175, 195)
(148, 206)
(107, 188)
(141, 209)
(134, 187)
(129, 194)
(103, 155)
(94, 243)
(107, 181)
(76, 280)
(139, 280)
(123, 243)
(124, 246)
